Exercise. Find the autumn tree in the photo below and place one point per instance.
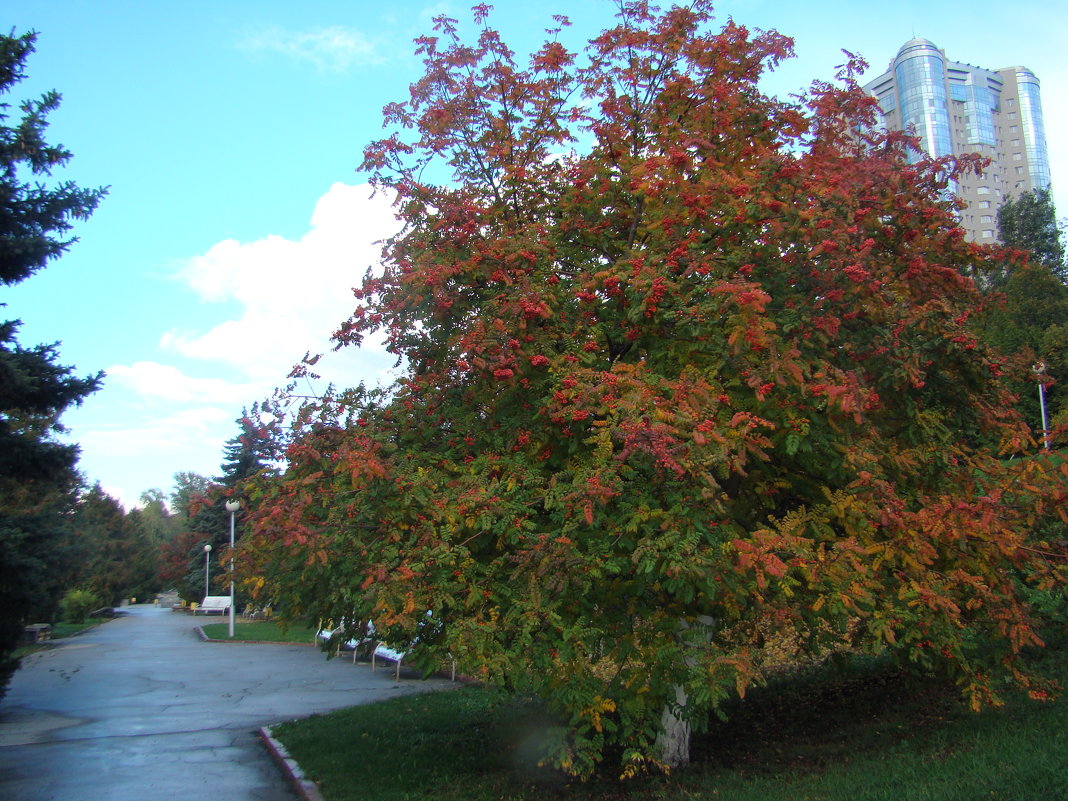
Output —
(685, 367)
(38, 483)
(199, 520)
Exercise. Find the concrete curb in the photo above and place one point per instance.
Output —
(304, 787)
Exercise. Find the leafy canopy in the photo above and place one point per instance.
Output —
(685, 368)
(1029, 222)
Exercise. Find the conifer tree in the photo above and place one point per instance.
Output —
(37, 478)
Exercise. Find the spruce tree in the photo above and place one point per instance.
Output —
(37, 477)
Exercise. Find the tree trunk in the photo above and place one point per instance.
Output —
(673, 742)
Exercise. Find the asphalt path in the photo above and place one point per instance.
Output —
(141, 708)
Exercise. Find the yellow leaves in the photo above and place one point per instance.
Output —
(596, 710)
(634, 766)
(884, 628)
(255, 585)
(740, 685)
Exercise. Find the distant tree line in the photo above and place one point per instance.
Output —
(1026, 308)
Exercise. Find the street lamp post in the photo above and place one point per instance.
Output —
(232, 506)
(1040, 370)
(207, 580)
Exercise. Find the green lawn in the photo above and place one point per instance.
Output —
(260, 631)
(59, 631)
(868, 733)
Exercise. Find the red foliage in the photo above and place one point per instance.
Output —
(675, 352)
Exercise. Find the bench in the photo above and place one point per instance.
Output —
(380, 649)
(36, 632)
(214, 603)
(383, 651)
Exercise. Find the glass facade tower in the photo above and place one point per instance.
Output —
(920, 71)
(956, 108)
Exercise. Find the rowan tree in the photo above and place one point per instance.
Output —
(684, 367)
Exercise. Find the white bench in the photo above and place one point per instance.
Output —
(214, 603)
(381, 650)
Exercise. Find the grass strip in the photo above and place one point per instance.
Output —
(868, 733)
(260, 631)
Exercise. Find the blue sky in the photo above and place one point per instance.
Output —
(230, 131)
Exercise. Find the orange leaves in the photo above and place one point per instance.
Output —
(758, 557)
(750, 421)
(552, 57)
(746, 295)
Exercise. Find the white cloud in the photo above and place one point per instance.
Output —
(332, 49)
(294, 294)
(136, 451)
(179, 431)
(154, 380)
(155, 417)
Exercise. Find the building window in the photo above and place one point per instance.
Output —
(984, 204)
(986, 218)
(983, 190)
(988, 234)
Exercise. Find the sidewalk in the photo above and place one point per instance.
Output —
(142, 706)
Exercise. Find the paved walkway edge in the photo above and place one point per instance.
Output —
(304, 787)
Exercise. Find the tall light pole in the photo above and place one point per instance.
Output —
(207, 580)
(1040, 370)
(232, 506)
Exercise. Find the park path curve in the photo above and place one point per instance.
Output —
(141, 707)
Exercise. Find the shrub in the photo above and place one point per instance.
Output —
(77, 604)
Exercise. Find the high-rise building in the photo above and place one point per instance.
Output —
(956, 108)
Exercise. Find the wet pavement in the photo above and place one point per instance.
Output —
(141, 708)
